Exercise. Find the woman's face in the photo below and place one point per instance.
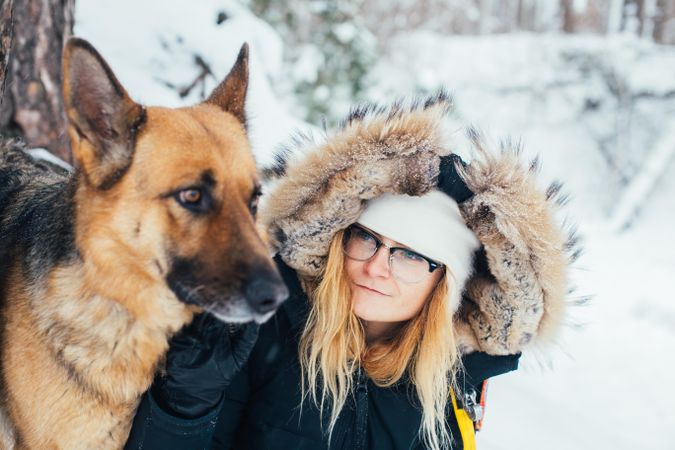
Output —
(377, 296)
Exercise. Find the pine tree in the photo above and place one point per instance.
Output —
(329, 51)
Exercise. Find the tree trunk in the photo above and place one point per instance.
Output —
(649, 16)
(665, 12)
(640, 15)
(6, 8)
(615, 17)
(569, 18)
(485, 16)
(33, 104)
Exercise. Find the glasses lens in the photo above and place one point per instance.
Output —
(408, 266)
(359, 244)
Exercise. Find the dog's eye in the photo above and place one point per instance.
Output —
(190, 196)
(255, 199)
(253, 205)
(194, 199)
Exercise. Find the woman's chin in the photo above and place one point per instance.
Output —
(370, 308)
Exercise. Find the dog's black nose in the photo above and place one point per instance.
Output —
(265, 295)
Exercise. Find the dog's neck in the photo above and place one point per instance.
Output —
(94, 333)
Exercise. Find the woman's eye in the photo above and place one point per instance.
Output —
(411, 256)
(363, 236)
(190, 196)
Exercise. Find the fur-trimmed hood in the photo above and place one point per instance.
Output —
(516, 294)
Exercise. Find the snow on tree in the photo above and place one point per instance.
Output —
(329, 50)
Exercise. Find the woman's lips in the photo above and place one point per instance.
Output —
(371, 290)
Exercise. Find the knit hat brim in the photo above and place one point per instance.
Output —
(431, 225)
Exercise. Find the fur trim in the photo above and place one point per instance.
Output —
(523, 295)
(377, 150)
(397, 150)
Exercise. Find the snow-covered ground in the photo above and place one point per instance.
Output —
(610, 385)
(607, 385)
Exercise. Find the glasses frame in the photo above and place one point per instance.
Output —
(433, 265)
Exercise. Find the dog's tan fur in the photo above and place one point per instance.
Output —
(81, 345)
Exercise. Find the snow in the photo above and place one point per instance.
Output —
(551, 92)
(155, 45)
(607, 383)
(610, 384)
(45, 155)
(653, 171)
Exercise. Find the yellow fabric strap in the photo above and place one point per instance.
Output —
(465, 426)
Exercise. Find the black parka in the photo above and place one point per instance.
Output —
(262, 407)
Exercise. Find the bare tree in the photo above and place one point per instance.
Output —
(32, 105)
(569, 19)
(663, 17)
(615, 16)
(6, 8)
(485, 10)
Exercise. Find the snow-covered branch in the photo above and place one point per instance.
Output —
(643, 184)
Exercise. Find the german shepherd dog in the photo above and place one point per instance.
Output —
(98, 269)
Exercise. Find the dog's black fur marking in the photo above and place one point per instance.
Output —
(36, 200)
(181, 279)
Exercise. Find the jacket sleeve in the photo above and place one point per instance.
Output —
(479, 366)
(155, 429)
(233, 405)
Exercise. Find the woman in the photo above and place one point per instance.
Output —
(376, 346)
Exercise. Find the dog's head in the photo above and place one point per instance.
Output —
(169, 195)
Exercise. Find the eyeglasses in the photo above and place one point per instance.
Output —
(405, 264)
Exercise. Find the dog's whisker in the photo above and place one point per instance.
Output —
(194, 292)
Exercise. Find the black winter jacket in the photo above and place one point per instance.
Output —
(262, 409)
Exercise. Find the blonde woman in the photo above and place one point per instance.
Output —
(413, 278)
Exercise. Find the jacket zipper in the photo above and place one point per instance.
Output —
(361, 411)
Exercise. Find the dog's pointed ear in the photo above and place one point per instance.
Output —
(103, 120)
(230, 94)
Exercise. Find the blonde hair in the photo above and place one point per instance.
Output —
(333, 347)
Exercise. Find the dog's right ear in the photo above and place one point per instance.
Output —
(103, 119)
(230, 94)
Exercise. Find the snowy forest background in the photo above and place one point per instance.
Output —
(589, 85)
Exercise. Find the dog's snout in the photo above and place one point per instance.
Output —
(265, 295)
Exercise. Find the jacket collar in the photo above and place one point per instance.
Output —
(297, 305)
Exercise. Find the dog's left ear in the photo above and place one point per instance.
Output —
(230, 94)
(103, 119)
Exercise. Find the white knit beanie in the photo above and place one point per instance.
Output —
(431, 225)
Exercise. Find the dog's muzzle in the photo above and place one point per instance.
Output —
(264, 295)
(253, 294)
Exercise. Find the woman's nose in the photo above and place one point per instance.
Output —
(378, 264)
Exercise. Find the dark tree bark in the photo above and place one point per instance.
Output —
(6, 7)
(665, 12)
(32, 103)
(569, 19)
(640, 15)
